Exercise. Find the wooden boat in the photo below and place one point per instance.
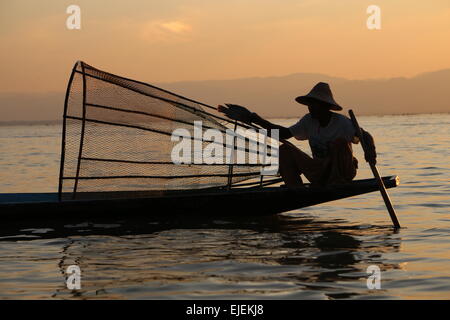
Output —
(214, 203)
(115, 161)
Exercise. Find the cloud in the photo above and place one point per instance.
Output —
(176, 27)
(165, 31)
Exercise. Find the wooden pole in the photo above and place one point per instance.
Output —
(233, 156)
(383, 191)
(83, 126)
(64, 132)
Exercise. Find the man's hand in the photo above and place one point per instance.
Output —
(236, 112)
(370, 153)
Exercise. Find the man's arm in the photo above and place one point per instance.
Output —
(236, 112)
(370, 154)
(284, 133)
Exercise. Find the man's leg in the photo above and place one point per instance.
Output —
(343, 164)
(294, 162)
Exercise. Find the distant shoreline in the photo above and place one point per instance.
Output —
(378, 115)
(53, 122)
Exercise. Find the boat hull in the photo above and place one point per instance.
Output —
(239, 201)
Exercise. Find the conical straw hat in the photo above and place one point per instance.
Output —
(320, 92)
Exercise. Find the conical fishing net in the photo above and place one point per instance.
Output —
(118, 137)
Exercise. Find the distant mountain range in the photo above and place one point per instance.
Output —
(274, 96)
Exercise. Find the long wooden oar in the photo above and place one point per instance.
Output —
(383, 191)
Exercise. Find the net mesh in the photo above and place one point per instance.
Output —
(117, 137)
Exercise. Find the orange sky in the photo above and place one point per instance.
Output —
(170, 40)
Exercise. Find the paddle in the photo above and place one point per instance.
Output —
(383, 191)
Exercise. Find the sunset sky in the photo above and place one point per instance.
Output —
(177, 40)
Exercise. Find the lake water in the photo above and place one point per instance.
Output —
(320, 252)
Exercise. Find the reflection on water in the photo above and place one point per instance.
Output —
(321, 252)
(277, 257)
